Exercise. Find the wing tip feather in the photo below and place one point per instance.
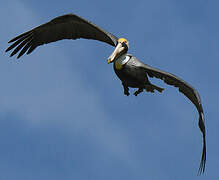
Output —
(201, 169)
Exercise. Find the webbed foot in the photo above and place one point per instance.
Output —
(126, 90)
(138, 91)
(126, 93)
(152, 87)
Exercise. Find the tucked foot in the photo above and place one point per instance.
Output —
(126, 93)
(151, 88)
(126, 90)
(138, 91)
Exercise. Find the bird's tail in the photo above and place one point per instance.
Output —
(152, 87)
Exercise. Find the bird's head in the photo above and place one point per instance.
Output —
(121, 48)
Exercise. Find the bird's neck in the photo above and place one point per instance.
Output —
(121, 61)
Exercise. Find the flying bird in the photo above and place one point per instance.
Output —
(130, 70)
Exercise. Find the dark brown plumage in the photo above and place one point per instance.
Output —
(68, 26)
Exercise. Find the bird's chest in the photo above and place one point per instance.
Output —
(127, 71)
(120, 62)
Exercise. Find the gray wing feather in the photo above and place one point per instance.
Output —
(190, 93)
(69, 26)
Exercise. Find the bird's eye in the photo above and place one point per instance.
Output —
(124, 45)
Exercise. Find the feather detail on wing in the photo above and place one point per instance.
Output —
(69, 26)
(190, 93)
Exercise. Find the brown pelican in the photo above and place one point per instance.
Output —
(131, 71)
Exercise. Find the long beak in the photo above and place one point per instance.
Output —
(115, 53)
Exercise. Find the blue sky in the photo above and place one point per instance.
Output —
(63, 114)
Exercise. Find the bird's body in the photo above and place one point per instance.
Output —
(131, 71)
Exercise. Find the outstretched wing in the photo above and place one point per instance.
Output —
(190, 93)
(69, 26)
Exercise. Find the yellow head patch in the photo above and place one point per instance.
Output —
(123, 40)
